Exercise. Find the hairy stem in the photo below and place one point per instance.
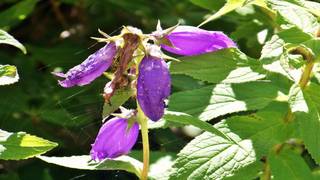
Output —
(145, 142)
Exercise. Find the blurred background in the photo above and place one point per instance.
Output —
(57, 35)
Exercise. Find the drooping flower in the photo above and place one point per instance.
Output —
(153, 86)
(115, 138)
(189, 41)
(90, 69)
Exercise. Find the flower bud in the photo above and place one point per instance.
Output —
(189, 41)
(115, 138)
(90, 69)
(153, 86)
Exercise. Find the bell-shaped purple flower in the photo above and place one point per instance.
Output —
(115, 138)
(153, 86)
(189, 41)
(90, 69)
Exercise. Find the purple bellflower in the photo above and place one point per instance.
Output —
(90, 69)
(115, 138)
(190, 41)
(153, 86)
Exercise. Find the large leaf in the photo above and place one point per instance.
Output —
(18, 12)
(288, 165)
(290, 13)
(15, 146)
(209, 156)
(125, 163)
(309, 120)
(227, 66)
(8, 74)
(6, 38)
(221, 99)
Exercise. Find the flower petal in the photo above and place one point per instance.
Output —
(114, 139)
(90, 69)
(153, 86)
(189, 41)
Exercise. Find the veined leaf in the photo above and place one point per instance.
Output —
(15, 146)
(226, 66)
(309, 120)
(209, 156)
(295, 15)
(8, 74)
(221, 99)
(6, 38)
(125, 163)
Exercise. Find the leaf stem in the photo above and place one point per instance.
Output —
(145, 142)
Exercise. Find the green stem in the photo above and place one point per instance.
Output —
(305, 77)
(145, 143)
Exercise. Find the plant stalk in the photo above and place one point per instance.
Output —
(145, 143)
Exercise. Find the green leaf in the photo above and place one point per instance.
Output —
(15, 146)
(296, 99)
(272, 50)
(248, 172)
(294, 35)
(229, 6)
(290, 13)
(209, 156)
(119, 97)
(309, 121)
(313, 7)
(8, 74)
(125, 163)
(18, 12)
(189, 120)
(314, 46)
(289, 165)
(226, 66)
(6, 38)
(221, 99)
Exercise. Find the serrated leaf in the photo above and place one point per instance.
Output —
(313, 7)
(6, 38)
(221, 99)
(119, 97)
(209, 156)
(18, 12)
(226, 66)
(288, 165)
(15, 146)
(8, 74)
(85, 162)
(309, 122)
(212, 157)
(295, 15)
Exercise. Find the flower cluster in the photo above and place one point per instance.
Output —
(152, 79)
